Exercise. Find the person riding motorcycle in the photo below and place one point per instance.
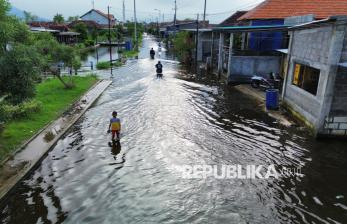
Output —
(159, 67)
(152, 53)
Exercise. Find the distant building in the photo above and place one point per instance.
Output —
(60, 31)
(274, 12)
(49, 25)
(99, 17)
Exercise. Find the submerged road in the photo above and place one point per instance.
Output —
(172, 122)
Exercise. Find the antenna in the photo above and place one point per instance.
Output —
(93, 4)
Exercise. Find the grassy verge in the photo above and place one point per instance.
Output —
(55, 100)
(130, 54)
(106, 64)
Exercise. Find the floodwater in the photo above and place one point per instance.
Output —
(99, 54)
(172, 122)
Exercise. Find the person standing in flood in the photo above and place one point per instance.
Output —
(114, 126)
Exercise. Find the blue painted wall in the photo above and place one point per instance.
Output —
(265, 41)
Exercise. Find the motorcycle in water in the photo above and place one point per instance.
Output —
(159, 73)
(273, 82)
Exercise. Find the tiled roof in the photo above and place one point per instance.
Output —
(232, 20)
(279, 9)
(50, 25)
(104, 14)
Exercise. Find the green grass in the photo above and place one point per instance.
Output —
(103, 65)
(55, 100)
(106, 64)
(130, 54)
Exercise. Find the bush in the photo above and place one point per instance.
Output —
(117, 64)
(19, 68)
(103, 65)
(10, 112)
(89, 42)
(183, 47)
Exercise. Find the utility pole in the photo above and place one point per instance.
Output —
(205, 13)
(135, 21)
(158, 27)
(123, 11)
(196, 43)
(109, 35)
(175, 12)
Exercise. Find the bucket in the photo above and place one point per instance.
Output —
(272, 99)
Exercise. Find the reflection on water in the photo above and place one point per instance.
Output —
(98, 55)
(169, 122)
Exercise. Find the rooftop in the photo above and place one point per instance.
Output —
(111, 17)
(279, 9)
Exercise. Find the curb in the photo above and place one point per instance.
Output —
(26, 142)
(11, 182)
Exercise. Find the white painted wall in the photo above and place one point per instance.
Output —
(96, 17)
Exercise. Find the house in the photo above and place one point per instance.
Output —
(315, 88)
(60, 31)
(49, 25)
(274, 12)
(99, 17)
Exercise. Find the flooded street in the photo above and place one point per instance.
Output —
(171, 122)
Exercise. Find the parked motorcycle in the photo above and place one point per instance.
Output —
(272, 82)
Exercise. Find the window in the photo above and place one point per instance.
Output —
(306, 78)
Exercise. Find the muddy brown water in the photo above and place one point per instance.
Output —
(171, 122)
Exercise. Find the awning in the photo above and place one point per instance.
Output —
(284, 51)
(265, 28)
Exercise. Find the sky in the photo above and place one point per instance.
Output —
(216, 10)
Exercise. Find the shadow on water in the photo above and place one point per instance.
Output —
(180, 120)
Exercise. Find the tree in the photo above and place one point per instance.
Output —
(72, 18)
(58, 18)
(81, 28)
(19, 63)
(183, 46)
(19, 68)
(54, 55)
(29, 17)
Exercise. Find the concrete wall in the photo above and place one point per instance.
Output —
(254, 65)
(339, 104)
(319, 48)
